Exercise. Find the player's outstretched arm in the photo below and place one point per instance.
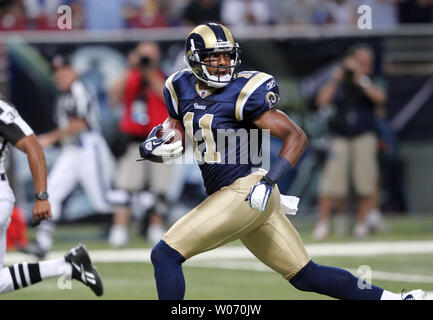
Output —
(36, 159)
(294, 143)
(281, 126)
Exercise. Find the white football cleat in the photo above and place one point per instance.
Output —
(341, 225)
(118, 236)
(376, 222)
(321, 231)
(413, 295)
(155, 231)
(360, 231)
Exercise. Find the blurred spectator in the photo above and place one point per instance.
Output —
(144, 14)
(100, 14)
(352, 159)
(298, 12)
(79, 13)
(321, 14)
(415, 11)
(119, 14)
(42, 14)
(202, 11)
(174, 11)
(12, 15)
(142, 92)
(341, 12)
(245, 12)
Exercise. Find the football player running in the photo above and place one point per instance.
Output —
(209, 99)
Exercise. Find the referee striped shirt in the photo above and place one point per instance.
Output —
(12, 129)
(77, 103)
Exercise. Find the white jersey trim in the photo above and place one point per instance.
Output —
(10, 115)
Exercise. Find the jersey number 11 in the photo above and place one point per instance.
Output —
(205, 123)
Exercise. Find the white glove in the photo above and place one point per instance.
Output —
(259, 195)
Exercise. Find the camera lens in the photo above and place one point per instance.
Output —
(144, 62)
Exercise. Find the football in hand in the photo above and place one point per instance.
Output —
(177, 127)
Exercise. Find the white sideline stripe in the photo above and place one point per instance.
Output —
(240, 258)
(333, 250)
(399, 277)
(258, 266)
(370, 248)
(238, 252)
(375, 275)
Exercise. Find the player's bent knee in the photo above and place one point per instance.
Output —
(156, 254)
(331, 281)
(304, 279)
(162, 254)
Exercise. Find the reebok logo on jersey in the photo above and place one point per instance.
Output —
(199, 106)
(270, 84)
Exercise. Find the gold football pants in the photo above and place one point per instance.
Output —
(225, 216)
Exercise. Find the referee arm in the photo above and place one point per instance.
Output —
(36, 159)
(75, 126)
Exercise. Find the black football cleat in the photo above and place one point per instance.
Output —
(83, 270)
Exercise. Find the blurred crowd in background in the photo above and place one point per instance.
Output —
(119, 14)
(119, 75)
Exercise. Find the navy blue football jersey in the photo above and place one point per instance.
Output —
(219, 122)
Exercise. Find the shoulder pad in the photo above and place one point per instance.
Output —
(8, 114)
(245, 74)
(255, 80)
(169, 85)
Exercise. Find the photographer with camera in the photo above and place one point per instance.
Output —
(352, 158)
(141, 94)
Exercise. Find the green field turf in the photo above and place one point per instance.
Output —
(132, 281)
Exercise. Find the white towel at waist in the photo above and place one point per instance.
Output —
(289, 204)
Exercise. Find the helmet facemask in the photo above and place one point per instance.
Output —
(195, 61)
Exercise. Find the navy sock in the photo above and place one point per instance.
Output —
(167, 263)
(334, 282)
